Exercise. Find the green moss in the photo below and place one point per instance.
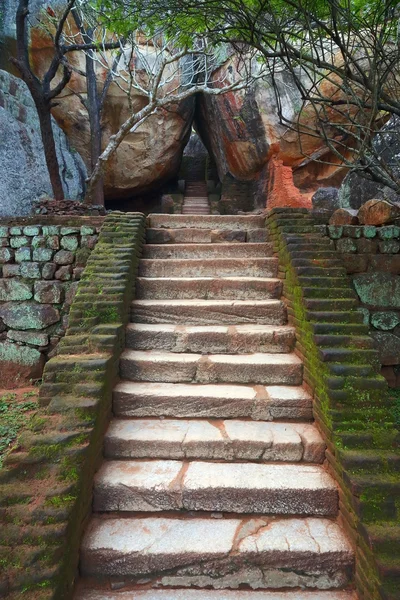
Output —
(60, 501)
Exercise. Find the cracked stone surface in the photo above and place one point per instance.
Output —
(215, 595)
(212, 486)
(259, 368)
(240, 339)
(215, 267)
(215, 401)
(208, 288)
(315, 548)
(216, 439)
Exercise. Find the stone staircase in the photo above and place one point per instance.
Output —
(213, 484)
(195, 201)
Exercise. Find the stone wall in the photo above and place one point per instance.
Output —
(371, 256)
(41, 262)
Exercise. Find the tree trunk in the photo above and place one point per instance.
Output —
(46, 130)
(93, 106)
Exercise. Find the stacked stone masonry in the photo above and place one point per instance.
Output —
(371, 256)
(359, 420)
(46, 481)
(41, 262)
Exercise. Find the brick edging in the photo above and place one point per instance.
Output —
(351, 403)
(46, 484)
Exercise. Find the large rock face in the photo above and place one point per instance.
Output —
(146, 158)
(242, 131)
(23, 172)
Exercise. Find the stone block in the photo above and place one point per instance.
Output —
(89, 241)
(31, 230)
(48, 292)
(389, 232)
(3, 231)
(6, 255)
(15, 231)
(346, 245)
(366, 246)
(64, 257)
(34, 338)
(51, 230)
(385, 320)
(69, 242)
(378, 212)
(385, 263)
(42, 254)
(49, 270)
(77, 273)
(23, 254)
(19, 241)
(355, 263)
(352, 231)
(39, 241)
(14, 290)
(365, 313)
(86, 230)
(11, 270)
(344, 216)
(380, 290)
(335, 231)
(388, 346)
(369, 231)
(24, 356)
(27, 315)
(30, 270)
(4, 242)
(70, 293)
(69, 230)
(64, 273)
(53, 242)
(389, 247)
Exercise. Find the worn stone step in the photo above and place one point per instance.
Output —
(222, 553)
(349, 354)
(214, 439)
(158, 485)
(246, 250)
(138, 399)
(208, 288)
(320, 271)
(328, 304)
(169, 367)
(324, 263)
(206, 222)
(322, 282)
(205, 236)
(185, 594)
(338, 316)
(350, 370)
(352, 342)
(212, 267)
(337, 329)
(329, 292)
(239, 339)
(209, 312)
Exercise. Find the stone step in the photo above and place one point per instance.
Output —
(209, 312)
(215, 439)
(188, 210)
(169, 367)
(205, 236)
(159, 485)
(210, 222)
(137, 399)
(353, 342)
(213, 267)
(338, 316)
(329, 292)
(319, 271)
(207, 250)
(208, 288)
(259, 552)
(240, 339)
(185, 594)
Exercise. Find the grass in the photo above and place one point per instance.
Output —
(16, 413)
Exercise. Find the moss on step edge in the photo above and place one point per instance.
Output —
(45, 485)
(348, 409)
